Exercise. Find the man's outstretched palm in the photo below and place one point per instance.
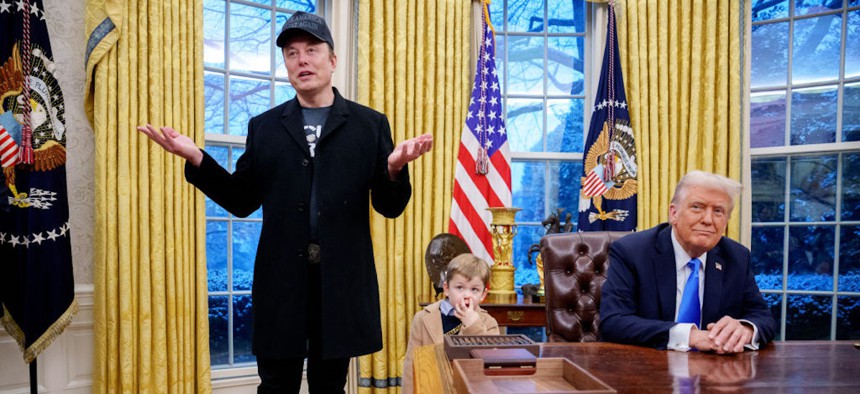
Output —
(174, 142)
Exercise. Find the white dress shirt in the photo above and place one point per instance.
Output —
(679, 335)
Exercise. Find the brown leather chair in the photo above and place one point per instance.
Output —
(575, 267)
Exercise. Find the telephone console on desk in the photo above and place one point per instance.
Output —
(502, 354)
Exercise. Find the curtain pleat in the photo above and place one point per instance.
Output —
(682, 66)
(413, 65)
(150, 309)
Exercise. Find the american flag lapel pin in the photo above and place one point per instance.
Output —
(719, 266)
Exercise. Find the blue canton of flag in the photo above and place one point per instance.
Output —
(482, 177)
(607, 200)
(484, 119)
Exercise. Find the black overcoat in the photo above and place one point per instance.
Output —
(276, 170)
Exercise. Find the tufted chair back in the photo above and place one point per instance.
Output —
(575, 267)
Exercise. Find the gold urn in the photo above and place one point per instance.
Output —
(503, 227)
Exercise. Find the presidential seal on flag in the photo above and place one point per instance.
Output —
(611, 167)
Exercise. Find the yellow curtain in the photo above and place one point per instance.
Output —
(413, 65)
(682, 70)
(144, 64)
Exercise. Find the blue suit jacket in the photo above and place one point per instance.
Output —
(638, 299)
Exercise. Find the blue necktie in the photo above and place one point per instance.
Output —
(690, 310)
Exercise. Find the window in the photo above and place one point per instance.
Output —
(804, 133)
(541, 51)
(244, 75)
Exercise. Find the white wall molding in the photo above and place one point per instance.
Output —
(65, 367)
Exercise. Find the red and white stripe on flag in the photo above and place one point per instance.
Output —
(8, 149)
(593, 185)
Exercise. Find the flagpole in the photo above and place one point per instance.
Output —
(34, 386)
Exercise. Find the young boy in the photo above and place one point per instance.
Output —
(458, 314)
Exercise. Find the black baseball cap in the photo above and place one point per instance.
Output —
(312, 24)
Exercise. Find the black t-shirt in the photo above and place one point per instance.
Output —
(314, 119)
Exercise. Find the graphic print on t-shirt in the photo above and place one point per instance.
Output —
(313, 134)
(314, 119)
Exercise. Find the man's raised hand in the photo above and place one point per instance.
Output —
(174, 142)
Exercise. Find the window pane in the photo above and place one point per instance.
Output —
(767, 256)
(497, 15)
(246, 236)
(810, 258)
(525, 125)
(248, 97)
(849, 259)
(242, 325)
(813, 115)
(813, 188)
(564, 178)
(564, 125)
(560, 12)
(237, 153)
(763, 10)
(848, 318)
(280, 69)
(283, 92)
(817, 43)
(219, 341)
(219, 153)
(767, 119)
(213, 101)
(525, 15)
(250, 39)
(851, 112)
(501, 62)
(852, 50)
(527, 183)
(851, 186)
(525, 65)
(768, 195)
(808, 317)
(526, 272)
(216, 254)
(775, 302)
(769, 55)
(809, 7)
(306, 5)
(565, 70)
(214, 27)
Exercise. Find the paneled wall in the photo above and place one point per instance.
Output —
(66, 367)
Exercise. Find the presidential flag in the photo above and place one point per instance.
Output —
(36, 283)
(482, 178)
(607, 200)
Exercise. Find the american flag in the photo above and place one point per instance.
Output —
(8, 149)
(482, 178)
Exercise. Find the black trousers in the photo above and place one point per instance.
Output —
(324, 376)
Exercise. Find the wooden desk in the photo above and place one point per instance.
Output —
(521, 313)
(795, 366)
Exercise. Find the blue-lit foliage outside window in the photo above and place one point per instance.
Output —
(541, 56)
(244, 75)
(804, 128)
